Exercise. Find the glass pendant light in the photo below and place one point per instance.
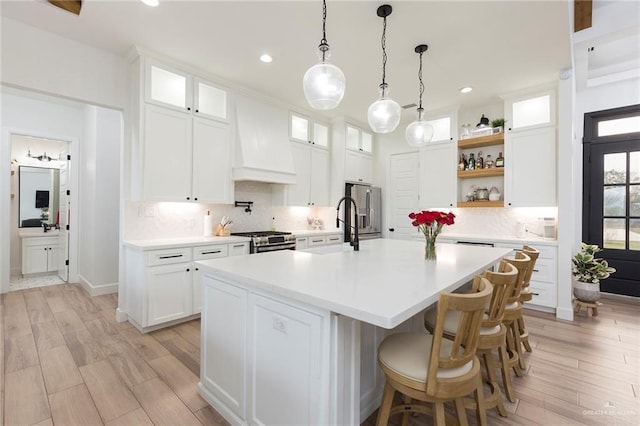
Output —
(419, 133)
(384, 114)
(323, 83)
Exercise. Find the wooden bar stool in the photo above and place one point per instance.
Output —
(526, 294)
(513, 311)
(492, 333)
(430, 370)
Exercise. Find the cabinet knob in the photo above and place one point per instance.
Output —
(391, 229)
(195, 198)
(313, 204)
(188, 269)
(197, 110)
(509, 203)
(188, 198)
(197, 269)
(188, 108)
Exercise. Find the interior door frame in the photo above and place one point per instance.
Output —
(5, 201)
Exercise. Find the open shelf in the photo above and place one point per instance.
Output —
(479, 173)
(481, 203)
(481, 141)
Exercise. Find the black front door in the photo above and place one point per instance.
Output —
(611, 198)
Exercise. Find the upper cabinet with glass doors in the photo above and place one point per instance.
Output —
(302, 129)
(530, 150)
(173, 88)
(359, 140)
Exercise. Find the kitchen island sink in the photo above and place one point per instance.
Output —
(291, 337)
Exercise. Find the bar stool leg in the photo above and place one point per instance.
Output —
(524, 334)
(495, 399)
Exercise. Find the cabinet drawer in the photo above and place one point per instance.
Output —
(40, 241)
(544, 294)
(210, 252)
(238, 249)
(334, 239)
(316, 241)
(168, 256)
(544, 270)
(302, 243)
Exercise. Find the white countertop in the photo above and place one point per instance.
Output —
(153, 244)
(312, 232)
(509, 239)
(37, 232)
(384, 284)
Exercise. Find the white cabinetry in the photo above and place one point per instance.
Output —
(437, 176)
(39, 254)
(182, 136)
(544, 281)
(163, 285)
(530, 169)
(304, 242)
(275, 371)
(311, 164)
(358, 167)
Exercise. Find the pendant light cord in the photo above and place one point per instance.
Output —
(420, 79)
(383, 41)
(324, 46)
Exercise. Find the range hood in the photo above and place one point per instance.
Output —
(263, 151)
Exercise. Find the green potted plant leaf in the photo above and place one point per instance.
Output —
(588, 270)
(498, 122)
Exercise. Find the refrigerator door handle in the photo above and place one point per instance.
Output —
(368, 207)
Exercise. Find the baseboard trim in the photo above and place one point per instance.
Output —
(121, 316)
(622, 297)
(97, 290)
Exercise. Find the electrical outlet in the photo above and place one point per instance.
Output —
(280, 324)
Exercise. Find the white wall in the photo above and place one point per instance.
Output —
(100, 199)
(45, 62)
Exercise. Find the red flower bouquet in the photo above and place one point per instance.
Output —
(430, 223)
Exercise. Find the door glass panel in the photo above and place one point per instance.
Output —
(634, 167)
(619, 126)
(613, 234)
(299, 128)
(615, 168)
(353, 138)
(367, 145)
(634, 234)
(212, 101)
(531, 112)
(614, 201)
(634, 200)
(320, 134)
(168, 87)
(441, 129)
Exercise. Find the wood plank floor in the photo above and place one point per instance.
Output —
(66, 361)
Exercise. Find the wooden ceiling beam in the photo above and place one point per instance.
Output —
(582, 11)
(72, 6)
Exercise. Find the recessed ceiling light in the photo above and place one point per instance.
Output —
(466, 89)
(266, 58)
(152, 3)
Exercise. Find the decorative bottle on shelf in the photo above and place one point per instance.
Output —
(465, 132)
(489, 163)
(462, 165)
(471, 165)
(500, 160)
(479, 161)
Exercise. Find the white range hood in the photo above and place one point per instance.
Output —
(263, 150)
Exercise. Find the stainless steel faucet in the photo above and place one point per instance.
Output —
(355, 242)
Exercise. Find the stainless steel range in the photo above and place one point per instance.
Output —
(269, 241)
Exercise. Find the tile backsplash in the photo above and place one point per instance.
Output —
(176, 220)
(145, 220)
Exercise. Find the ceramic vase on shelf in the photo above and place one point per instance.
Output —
(430, 249)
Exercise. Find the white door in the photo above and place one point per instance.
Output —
(211, 162)
(299, 193)
(404, 194)
(63, 215)
(437, 165)
(319, 185)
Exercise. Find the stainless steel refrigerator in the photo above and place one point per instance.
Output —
(369, 202)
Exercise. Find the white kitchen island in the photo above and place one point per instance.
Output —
(291, 337)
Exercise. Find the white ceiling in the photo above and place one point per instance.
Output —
(497, 47)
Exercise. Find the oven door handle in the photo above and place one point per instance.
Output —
(287, 246)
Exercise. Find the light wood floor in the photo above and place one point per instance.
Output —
(66, 361)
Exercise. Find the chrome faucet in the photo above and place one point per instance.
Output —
(355, 242)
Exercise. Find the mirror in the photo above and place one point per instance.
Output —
(39, 195)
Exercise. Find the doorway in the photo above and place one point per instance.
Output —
(40, 202)
(404, 194)
(611, 194)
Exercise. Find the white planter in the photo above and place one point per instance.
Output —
(586, 292)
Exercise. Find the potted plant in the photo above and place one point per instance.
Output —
(588, 270)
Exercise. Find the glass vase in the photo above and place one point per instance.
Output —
(430, 248)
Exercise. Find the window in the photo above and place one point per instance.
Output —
(619, 126)
(441, 129)
(531, 112)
